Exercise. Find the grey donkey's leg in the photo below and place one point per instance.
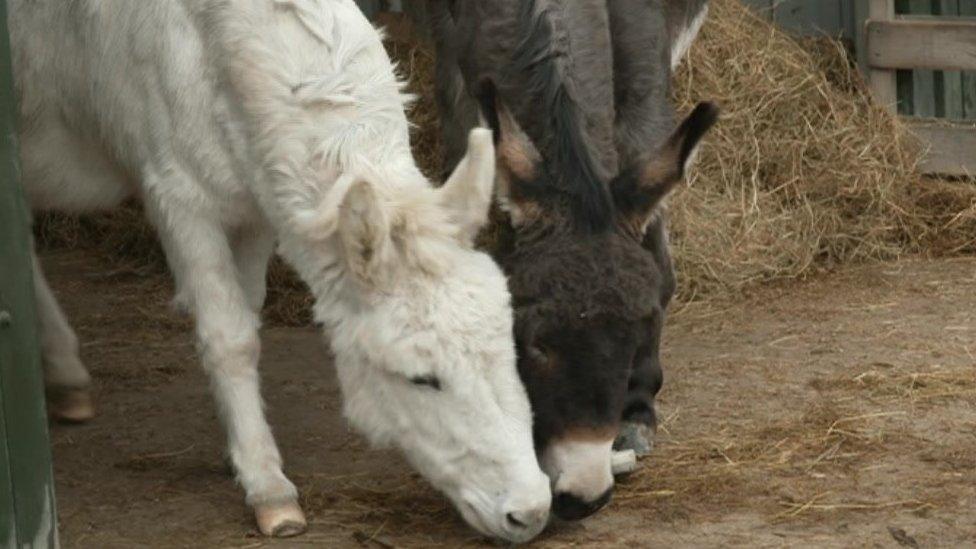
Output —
(640, 417)
(645, 35)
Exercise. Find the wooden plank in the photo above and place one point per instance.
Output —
(805, 17)
(764, 7)
(905, 85)
(923, 81)
(28, 452)
(922, 43)
(882, 80)
(861, 15)
(848, 19)
(949, 104)
(968, 8)
(923, 93)
(950, 148)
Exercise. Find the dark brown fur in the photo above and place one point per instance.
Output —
(582, 87)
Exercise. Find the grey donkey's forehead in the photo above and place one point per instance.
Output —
(576, 279)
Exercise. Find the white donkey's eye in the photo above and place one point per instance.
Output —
(429, 380)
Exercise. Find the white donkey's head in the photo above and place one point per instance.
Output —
(424, 348)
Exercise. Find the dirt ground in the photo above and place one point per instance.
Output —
(837, 412)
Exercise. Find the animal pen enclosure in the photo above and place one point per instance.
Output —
(920, 57)
(843, 405)
(902, 49)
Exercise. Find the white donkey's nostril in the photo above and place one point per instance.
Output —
(514, 521)
(525, 513)
(528, 520)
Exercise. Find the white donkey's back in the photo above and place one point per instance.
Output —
(211, 87)
(243, 122)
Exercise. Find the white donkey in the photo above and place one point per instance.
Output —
(239, 123)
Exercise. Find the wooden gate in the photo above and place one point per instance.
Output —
(940, 94)
(27, 515)
(901, 42)
(920, 57)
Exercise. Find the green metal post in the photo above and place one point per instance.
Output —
(27, 510)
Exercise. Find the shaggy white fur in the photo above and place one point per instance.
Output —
(239, 123)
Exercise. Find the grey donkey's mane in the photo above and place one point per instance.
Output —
(539, 67)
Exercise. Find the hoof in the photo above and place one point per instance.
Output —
(71, 405)
(623, 462)
(636, 437)
(280, 520)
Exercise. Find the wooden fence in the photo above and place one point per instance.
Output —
(920, 56)
(899, 42)
(939, 94)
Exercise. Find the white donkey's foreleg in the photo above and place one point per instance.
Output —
(200, 255)
(67, 380)
(253, 247)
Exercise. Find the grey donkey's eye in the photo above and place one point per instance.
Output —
(538, 354)
(429, 380)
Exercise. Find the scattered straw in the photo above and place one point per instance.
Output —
(796, 509)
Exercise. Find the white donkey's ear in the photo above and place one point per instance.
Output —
(467, 194)
(364, 229)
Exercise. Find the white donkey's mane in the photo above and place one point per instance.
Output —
(316, 119)
(321, 124)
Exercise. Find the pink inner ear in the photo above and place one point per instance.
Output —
(691, 160)
(518, 160)
(515, 147)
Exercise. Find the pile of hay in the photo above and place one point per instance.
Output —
(803, 173)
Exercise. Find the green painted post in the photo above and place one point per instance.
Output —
(27, 511)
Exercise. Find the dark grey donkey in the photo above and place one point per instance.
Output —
(577, 94)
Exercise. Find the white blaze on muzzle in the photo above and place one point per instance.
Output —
(581, 468)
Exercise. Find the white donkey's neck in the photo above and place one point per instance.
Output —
(318, 96)
(321, 101)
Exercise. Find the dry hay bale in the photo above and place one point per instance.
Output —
(804, 172)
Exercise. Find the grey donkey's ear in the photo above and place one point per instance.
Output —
(639, 189)
(467, 193)
(518, 158)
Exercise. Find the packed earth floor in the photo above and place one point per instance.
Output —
(835, 412)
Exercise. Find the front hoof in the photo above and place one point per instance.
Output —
(623, 462)
(70, 405)
(280, 520)
(635, 436)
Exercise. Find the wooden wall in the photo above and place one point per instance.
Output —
(922, 93)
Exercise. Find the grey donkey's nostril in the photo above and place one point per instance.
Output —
(513, 521)
(570, 507)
